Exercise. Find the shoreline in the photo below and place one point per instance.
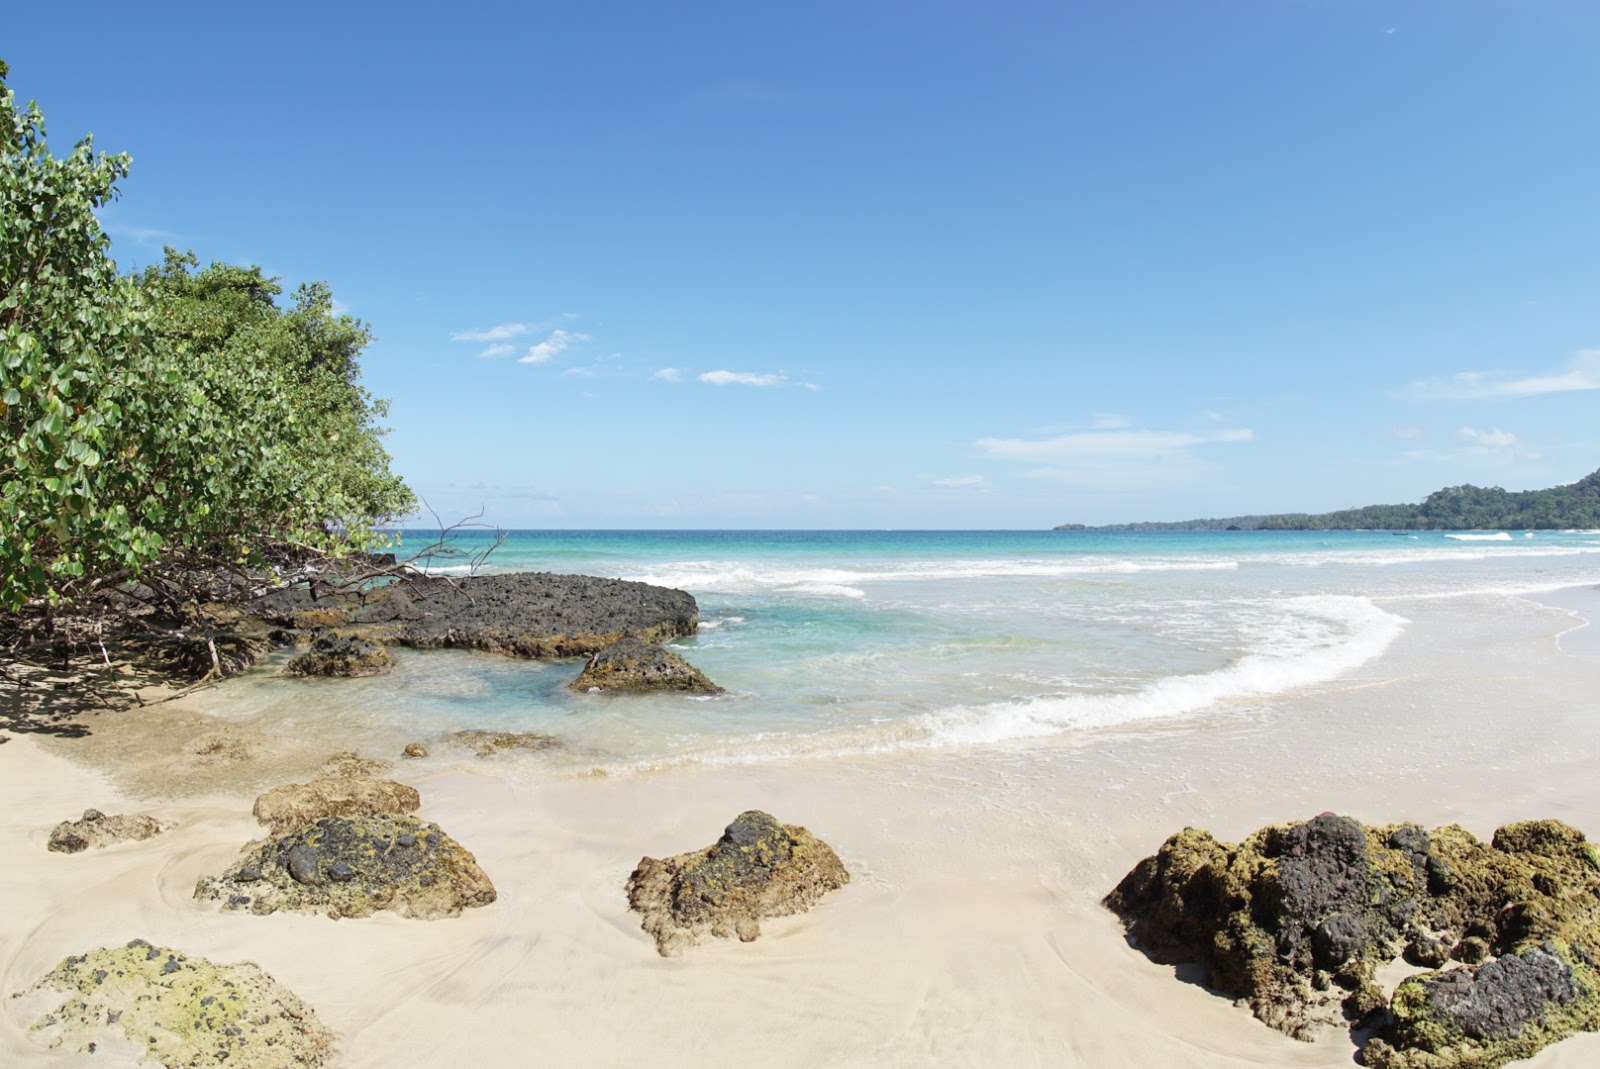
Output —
(972, 930)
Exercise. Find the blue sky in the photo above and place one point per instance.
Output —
(894, 264)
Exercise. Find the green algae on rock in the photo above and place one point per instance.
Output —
(176, 1010)
(759, 868)
(288, 807)
(342, 657)
(1297, 919)
(97, 830)
(635, 666)
(353, 867)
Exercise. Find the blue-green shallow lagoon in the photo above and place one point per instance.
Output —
(834, 643)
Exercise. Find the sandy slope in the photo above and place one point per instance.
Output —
(971, 934)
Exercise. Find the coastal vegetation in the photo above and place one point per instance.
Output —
(1455, 508)
(170, 431)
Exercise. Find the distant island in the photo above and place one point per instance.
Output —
(1455, 508)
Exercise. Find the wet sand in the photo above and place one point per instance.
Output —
(971, 933)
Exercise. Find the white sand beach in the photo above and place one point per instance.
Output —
(971, 933)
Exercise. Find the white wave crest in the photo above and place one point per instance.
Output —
(1318, 638)
(1498, 536)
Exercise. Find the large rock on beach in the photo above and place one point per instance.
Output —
(524, 614)
(758, 869)
(353, 867)
(286, 808)
(341, 656)
(97, 830)
(157, 1006)
(636, 666)
(1298, 919)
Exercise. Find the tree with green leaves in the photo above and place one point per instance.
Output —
(162, 427)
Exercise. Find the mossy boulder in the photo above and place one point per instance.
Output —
(353, 867)
(1297, 919)
(163, 1007)
(97, 830)
(341, 656)
(635, 666)
(288, 807)
(759, 868)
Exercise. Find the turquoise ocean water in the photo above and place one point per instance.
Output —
(834, 643)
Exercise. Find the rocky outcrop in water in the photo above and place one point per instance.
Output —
(524, 614)
(488, 743)
(166, 1008)
(636, 666)
(758, 869)
(341, 656)
(285, 808)
(97, 830)
(1297, 919)
(353, 867)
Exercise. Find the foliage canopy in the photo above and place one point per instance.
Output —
(169, 422)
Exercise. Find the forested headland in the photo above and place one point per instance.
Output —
(1455, 508)
(166, 432)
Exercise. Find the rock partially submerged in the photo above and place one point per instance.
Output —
(524, 614)
(634, 665)
(1297, 919)
(288, 807)
(167, 1008)
(341, 656)
(487, 743)
(353, 867)
(97, 830)
(351, 763)
(759, 868)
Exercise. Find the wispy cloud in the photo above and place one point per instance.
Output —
(1408, 434)
(961, 482)
(142, 235)
(742, 378)
(669, 374)
(499, 349)
(1119, 457)
(1110, 421)
(1582, 372)
(557, 343)
(1490, 439)
(499, 332)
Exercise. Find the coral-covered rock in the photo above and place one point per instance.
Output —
(353, 867)
(351, 763)
(97, 830)
(486, 743)
(166, 1008)
(633, 665)
(1297, 919)
(414, 749)
(341, 656)
(759, 868)
(285, 808)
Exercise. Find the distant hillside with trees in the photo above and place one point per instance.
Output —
(1455, 508)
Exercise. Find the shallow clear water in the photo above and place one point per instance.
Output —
(848, 642)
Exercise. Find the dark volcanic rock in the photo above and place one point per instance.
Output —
(634, 665)
(759, 868)
(98, 830)
(340, 655)
(352, 867)
(182, 1011)
(1297, 919)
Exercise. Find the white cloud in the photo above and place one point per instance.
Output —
(669, 374)
(1108, 421)
(499, 349)
(960, 481)
(338, 307)
(1408, 434)
(1581, 373)
(500, 332)
(557, 343)
(742, 378)
(1491, 439)
(1124, 457)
